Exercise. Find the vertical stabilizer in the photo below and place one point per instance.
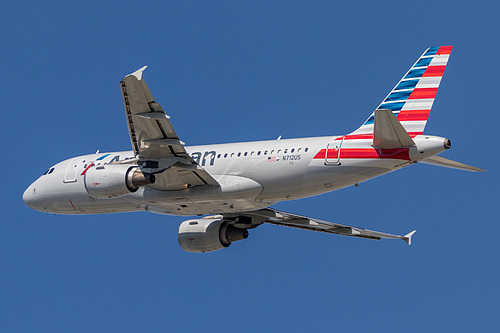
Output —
(412, 98)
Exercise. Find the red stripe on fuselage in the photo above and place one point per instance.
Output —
(71, 202)
(362, 153)
(91, 165)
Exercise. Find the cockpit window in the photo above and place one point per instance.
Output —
(48, 172)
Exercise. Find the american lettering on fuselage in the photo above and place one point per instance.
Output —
(236, 181)
(209, 158)
(210, 155)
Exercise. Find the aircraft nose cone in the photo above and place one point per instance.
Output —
(34, 198)
(29, 196)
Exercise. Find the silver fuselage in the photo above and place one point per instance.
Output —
(252, 175)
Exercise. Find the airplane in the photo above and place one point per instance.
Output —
(230, 187)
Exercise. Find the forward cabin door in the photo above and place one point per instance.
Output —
(332, 156)
(70, 175)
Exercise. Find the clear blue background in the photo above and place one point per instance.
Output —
(238, 71)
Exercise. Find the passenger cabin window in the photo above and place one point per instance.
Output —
(218, 156)
(258, 153)
(239, 154)
(306, 150)
(246, 154)
(265, 152)
(225, 155)
(293, 149)
(286, 150)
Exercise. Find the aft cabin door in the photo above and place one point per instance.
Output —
(332, 156)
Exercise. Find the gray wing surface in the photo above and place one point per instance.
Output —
(273, 216)
(155, 142)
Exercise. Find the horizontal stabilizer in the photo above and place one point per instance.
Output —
(444, 162)
(388, 131)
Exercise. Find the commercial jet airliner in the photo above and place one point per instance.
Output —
(236, 183)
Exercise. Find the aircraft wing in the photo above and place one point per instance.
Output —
(273, 216)
(154, 140)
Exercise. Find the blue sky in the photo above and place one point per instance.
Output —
(239, 71)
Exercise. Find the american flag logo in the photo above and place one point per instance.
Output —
(271, 159)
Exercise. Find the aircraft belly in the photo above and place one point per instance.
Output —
(187, 208)
(235, 194)
(320, 178)
(103, 206)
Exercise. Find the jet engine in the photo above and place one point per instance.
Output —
(208, 234)
(114, 180)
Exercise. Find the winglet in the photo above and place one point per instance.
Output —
(138, 73)
(407, 237)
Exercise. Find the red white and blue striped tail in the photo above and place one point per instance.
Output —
(412, 98)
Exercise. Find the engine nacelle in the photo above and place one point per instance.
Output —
(114, 180)
(205, 235)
